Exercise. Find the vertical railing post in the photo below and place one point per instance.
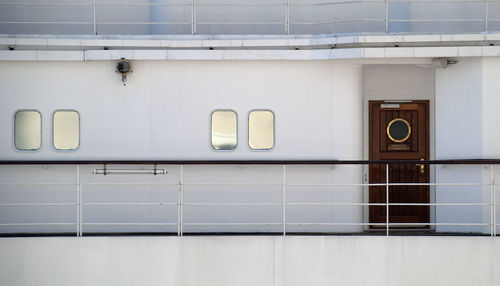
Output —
(81, 208)
(494, 199)
(492, 202)
(179, 202)
(95, 19)
(387, 199)
(387, 16)
(284, 200)
(193, 18)
(486, 15)
(77, 200)
(287, 17)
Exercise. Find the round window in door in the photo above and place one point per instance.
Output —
(398, 130)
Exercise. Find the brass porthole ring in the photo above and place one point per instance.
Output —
(398, 121)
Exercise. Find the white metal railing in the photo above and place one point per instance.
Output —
(95, 15)
(82, 189)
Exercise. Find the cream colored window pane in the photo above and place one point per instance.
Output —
(261, 130)
(224, 130)
(66, 130)
(27, 130)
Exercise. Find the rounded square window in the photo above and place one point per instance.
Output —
(261, 130)
(27, 130)
(224, 129)
(66, 130)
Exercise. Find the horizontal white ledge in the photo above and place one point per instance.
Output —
(240, 41)
(319, 54)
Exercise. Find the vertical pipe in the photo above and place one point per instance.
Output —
(387, 16)
(193, 18)
(284, 200)
(95, 20)
(181, 199)
(492, 202)
(77, 200)
(387, 199)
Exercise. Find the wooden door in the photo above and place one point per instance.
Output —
(399, 131)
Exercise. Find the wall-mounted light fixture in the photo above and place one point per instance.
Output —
(123, 67)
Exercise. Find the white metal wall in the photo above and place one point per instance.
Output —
(256, 260)
(163, 112)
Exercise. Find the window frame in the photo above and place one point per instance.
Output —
(79, 131)
(14, 131)
(210, 131)
(274, 131)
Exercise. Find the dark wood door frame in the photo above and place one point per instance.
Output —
(416, 147)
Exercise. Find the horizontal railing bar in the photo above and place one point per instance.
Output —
(440, 1)
(142, 4)
(187, 190)
(231, 185)
(232, 204)
(253, 204)
(339, 223)
(35, 184)
(337, 204)
(390, 204)
(337, 22)
(436, 20)
(390, 2)
(52, 23)
(245, 185)
(143, 23)
(37, 204)
(46, 4)
(232, 224)
(333, 3)
(35, 224)
(256, 23)
(132, 223)
(336, 223)
(131, 184)
(390, 184)
(239, 4)
(129, 204)
(239, 23)
(252, 162)
(390, 224)
(310, 185)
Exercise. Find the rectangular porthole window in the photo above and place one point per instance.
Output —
(27, 130)
(261, 129)
(66, 130)
(224, 130)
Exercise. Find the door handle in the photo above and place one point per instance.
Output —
(422, 166)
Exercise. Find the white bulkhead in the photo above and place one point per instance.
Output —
(164, 112)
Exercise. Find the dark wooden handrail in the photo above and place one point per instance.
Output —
(250, 162)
